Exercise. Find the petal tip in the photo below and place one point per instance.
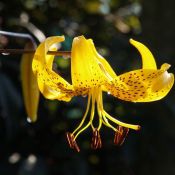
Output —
(131, 40)
(81, 37)
(134, 42)
(63, 37)
(164, 83)
(165, 66)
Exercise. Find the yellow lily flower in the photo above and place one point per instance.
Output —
(91, 75)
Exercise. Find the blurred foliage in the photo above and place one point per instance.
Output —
(41, 148)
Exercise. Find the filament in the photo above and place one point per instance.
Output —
(135, 127)
(85, 115)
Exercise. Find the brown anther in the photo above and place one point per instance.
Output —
(120, 135)
(70, 139)
(72, 142)
(76, 147)
(96, 139)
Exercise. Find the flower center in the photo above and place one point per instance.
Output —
(95, 100)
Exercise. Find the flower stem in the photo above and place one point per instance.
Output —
(22, 51)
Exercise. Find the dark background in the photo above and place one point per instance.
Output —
(41, 148)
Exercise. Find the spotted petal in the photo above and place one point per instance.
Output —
(143, 85)
(51, 85)
(85, 69)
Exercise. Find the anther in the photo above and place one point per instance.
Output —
(72, 142)
(96, 139)
(120, 135)
(76, 147)
(69, 139)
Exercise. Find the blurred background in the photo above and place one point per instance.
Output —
(41, 148)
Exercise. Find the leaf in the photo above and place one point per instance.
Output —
(29, 85)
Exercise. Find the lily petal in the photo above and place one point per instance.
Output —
(85, 70)
(148, 61)
(104, 65)
(142, 85)
(29, 85)
(51, 85)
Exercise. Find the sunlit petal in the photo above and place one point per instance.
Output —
(142, 85)
(104, 65)
(148, 61)
(29, 85)
(85, 70)
(51, 85)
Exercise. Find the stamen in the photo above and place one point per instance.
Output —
(135, 127)
(72, 142)
(76, 147)
(106, 123)
(120, 135)
(95, 100)
(91, 117)
(99, 107)
(102, 118)
(92, 108)
(84, 117)
(96, 139)
(84, 128)
(69, 139)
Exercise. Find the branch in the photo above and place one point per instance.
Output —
(19, 35)
(22, 51)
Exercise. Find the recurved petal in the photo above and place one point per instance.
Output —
(148, 61)
(43, 48)
(50, 59)
(142, 85)
(51, 85)
(51, 91)
(85, 69)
